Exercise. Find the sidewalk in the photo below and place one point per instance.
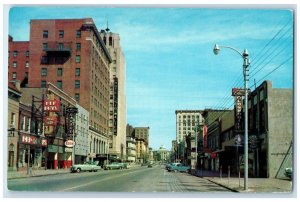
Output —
(35, 173)
(255, 185)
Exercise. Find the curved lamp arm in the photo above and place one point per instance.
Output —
(217, 49)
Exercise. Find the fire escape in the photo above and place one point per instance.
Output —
(56, 53)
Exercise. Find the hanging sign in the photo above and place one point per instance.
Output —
(69, 143)
(51, 105)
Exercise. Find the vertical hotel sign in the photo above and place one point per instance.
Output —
(51, 105)
(115, 122)
(238, 100)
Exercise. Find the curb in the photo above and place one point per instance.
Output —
(226, 187)
(231, 189)
(39, 175)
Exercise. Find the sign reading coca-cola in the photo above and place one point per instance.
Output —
(52, 105)
(69, 143)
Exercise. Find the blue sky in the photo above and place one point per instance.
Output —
(170, 64)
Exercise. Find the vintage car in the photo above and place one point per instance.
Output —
(113, 165)
(178, 167)
(87, 166)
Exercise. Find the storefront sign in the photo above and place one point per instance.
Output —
(69, 143)
(68, 150)
(205, 136)
(28, 139)
(50, 120)
(52, 105)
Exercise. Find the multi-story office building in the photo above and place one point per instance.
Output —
(142, 141)
(186, 122)
(117, 102)
(71, 54)
(82, 145)
(142, 133)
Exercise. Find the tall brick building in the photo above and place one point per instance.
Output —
(70, 54)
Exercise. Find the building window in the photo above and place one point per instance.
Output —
(15, 53)
(61, 33)
(43, 84)
(45, 34)
(45, 46)
(44, 59)
(27, 64)
(77, 97)
(14, 64)
(14, 75)
(28, 124)
(77, 72)
(12, 119)
(44, 71)
(78, 46)
(27, 53)
(59, 72)
(77, 59)
(77, 84)
(78, 34)
(110, 41)
(23, 123)
(26, 75)
(59, 84)
(60, 46)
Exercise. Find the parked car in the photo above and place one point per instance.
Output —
(178, 167)
(288, 172)
(113, 165)
(150, 165)
(87, 166)
(167, 167)
(124, 165)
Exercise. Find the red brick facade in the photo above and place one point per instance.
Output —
(71, 53)
(18, 61)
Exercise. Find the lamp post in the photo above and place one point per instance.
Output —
(246, 63)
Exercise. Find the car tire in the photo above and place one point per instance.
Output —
(78, 170)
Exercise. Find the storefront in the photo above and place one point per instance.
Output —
(30, 149)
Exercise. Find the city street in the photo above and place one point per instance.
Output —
(135, 179)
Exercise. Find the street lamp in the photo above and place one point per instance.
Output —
(245, 56)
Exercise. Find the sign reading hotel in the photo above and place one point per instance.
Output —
(238, 100)
(51, 105)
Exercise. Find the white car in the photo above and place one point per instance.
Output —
(87, 166)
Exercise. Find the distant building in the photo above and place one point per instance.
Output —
(131, 150)
(188, 123)
(163, 153)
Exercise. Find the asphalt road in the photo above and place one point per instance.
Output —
(137, 179)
